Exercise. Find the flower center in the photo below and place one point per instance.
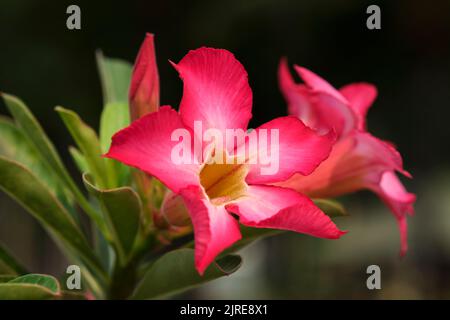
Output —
(224, 182)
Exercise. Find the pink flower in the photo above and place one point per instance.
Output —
(217, 95)
(144, 88)
(358, 159)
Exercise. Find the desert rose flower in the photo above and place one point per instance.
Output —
(358, 159)
(216, 99)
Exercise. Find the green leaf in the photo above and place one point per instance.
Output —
(331, 208)
(79, 159)
(33, 131)
(115, 116)
(46, 281)
(88, 142)
(24, 291)
(115, 76)
(175, 272)
(249, 235)
(8, 264)
(104, 250)
(36, 136)
(122, 210)
(33, 195)
(30, 287)
(15, 146)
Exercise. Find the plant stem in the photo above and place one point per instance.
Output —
(124, 277)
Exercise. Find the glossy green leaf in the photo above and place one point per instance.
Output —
(331, 208)
(30, 287)
(115, 76)
(115, 116)
(122, 209)
(33, 195)
(88, 142)
(46, 281)
(8, 264)
(36, 136)
(175, 272)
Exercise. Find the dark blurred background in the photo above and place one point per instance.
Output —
(46, 64)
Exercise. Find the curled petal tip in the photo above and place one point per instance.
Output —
(318, 84)
(407, 174)
(341, 233)
(173, 64)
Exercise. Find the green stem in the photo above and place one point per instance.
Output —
(124, 277)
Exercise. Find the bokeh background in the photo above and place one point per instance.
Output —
(46, 64)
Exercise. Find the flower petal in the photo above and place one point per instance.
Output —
(280, 208)
(144, 88)
(146, 144)
(356, 162)
(214, 228)
(318, 84)
(316, 102)
(299, 149)
(216, 90)
(395, 196)
(298, 99)
(332, 108)
(360, 96)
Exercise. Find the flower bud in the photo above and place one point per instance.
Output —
(144, 98)
(144, 88)
(174, 211)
